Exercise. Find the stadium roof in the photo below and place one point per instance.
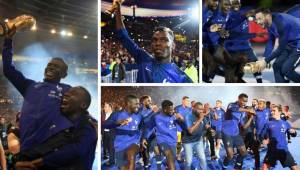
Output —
(80, 16)
(154, 7)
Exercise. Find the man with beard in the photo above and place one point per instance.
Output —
(166, 123)
(272, 32)
(288, 52)
(233, 120)
(193, 136)
(158, 68)
(127, 133)
(146, 110)
(40, 113)
(75, 148)
(254, 103)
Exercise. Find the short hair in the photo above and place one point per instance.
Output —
(166, 103)
(262, 100)
(109, 104)
(87, 96)
(278, 107)
(243, 95)
(198, 104)
(185, 97)
(165, 29)
(263, 10)
(144, 97)
(130, 97)
(64, 63)
(234, 0)
(219, 101)
(287, 107)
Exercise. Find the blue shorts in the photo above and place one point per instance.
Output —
(163, 147)
(232, 141)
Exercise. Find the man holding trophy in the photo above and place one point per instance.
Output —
(42, 125)
(10, 27)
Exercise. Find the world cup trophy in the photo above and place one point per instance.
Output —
(114, 6)
(251, 68)
(11, 26)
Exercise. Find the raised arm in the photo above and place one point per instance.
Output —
(9, 70)
(139, 54)
(2, 157)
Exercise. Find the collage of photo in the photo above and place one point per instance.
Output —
(149, 84)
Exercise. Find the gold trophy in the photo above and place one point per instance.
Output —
(114, 6)
(10, 26)
(251, 68)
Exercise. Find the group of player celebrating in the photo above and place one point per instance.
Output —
(142, 125)
(226, 45)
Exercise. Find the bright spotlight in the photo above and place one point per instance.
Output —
(85, 37)
(195, 13)
(69, 34)
(63, 33)
(53, 31)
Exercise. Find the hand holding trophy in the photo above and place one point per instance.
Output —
(114, 6)
(251, 68)
(11, 26)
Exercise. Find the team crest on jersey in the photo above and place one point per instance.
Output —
(245, 25)
(148, 69)
(282, 129)
(55, 94)
(172, 125)
(166, 81)
(59, 89)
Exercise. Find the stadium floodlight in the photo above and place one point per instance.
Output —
(52, 31)
(69, 34)
(63, 33)
(195, 13)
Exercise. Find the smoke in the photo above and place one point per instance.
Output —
(37, 56)
(227, 94)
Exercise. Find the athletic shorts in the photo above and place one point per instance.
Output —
(232, 141)
(285, 157)
(218, 132)
(163, 147)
